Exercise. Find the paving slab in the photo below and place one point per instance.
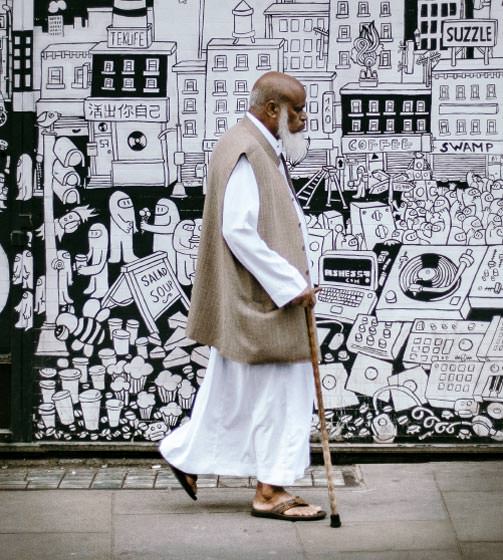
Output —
(388, 555)
(482, 551)
(472, 476)
(62, 511)
(379, 536)
(55, 546)
(476, 516)
(203, 537)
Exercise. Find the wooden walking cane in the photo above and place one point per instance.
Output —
(335, 520)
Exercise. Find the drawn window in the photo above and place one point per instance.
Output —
(424, 27)
(55, 76)
(108, 83)
(434, 27)
(190, 128)
(386, 31)
(475, 126)
(363, 9)
(128, 83)
(408, 106)
(385, 9)
(444, 92)
(80, 74)
(295, 63)
(453, 9)
(491, 91)
(434, 10)
(385, 59)
(152, 65)
(313, 90)
(189, 105)
(221, 106)
(295, 25)
(389, 106)
(443, 127)
(308, 24)
(356, 105)
(445, 9)
(313, 107)
(295, 45)
(283, 25)
(420, 106)
(343, 58)
(491, 126)
(241, 86)
(461, 126)
(220, 86)
(264, 62)
(108, 66)
(308, 62)
(221, 125)
(390, 125)
(373, 125)
(373, 106)
(308, 45)
(421, 125)
(460, 92)
(241, 105)
(407, 125)
(356, 125)
(475, 91)
(190, 86)
(344, 33)
(241, 62)
(424, 10)
(128, 66)
(313, 123)
(2, 22)
(220, 62)
(151, 84)
(343, 9)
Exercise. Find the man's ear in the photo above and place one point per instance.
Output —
(272, 109)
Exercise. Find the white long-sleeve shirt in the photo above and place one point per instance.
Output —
(282, 281)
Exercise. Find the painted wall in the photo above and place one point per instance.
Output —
(402, 190)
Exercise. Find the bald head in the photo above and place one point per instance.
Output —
(270, 93)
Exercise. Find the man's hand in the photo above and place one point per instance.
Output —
(305, 299)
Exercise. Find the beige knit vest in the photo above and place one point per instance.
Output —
(229, 309)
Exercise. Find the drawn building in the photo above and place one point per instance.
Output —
(133, 105)
(22, 56)
(466, 118)
(5, 50)
(304, 27)
(383, 127)
(233, 66)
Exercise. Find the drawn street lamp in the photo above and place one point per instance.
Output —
(179, 159)
(365, 51)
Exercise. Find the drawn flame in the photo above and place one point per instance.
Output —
(367, 46)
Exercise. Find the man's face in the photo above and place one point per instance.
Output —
(297, 115)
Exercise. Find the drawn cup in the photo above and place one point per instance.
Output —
(132, 326)
(114, 408)
(70, 381)
(64, 407)
(47, 412)
(97, 375)
(121, 342)
(48, 388)
(141, 347)
(80, 261)
(90, 401)
(48, 372)
(113, 325)
(81, 364)
(107, 356)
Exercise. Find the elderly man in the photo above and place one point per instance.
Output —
(253, 411)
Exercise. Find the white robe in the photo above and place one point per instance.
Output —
(250, 420)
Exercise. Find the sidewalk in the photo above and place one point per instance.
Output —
(427, 511)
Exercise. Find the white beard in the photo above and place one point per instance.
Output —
(294, 144)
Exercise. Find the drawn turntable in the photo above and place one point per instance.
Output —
(430, 282)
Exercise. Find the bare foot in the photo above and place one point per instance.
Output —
(267, 497)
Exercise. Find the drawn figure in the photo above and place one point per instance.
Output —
(4, 192)
(63, 264)
(4, 278)
(40, 295)
(17, 269)
(166, 218)
(70, 222)
(27, 270)
(361, 182)
(122, 228)
(86, 331)
(186, 242)
(24, 177)
(96, 266)
(25, 311)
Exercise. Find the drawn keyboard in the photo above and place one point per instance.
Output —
(352, 298)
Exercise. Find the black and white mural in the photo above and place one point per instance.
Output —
(402, 190)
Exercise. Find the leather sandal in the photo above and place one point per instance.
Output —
(279, 511)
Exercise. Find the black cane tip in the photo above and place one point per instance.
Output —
(335, 520)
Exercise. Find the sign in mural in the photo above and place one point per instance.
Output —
(402, 191)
